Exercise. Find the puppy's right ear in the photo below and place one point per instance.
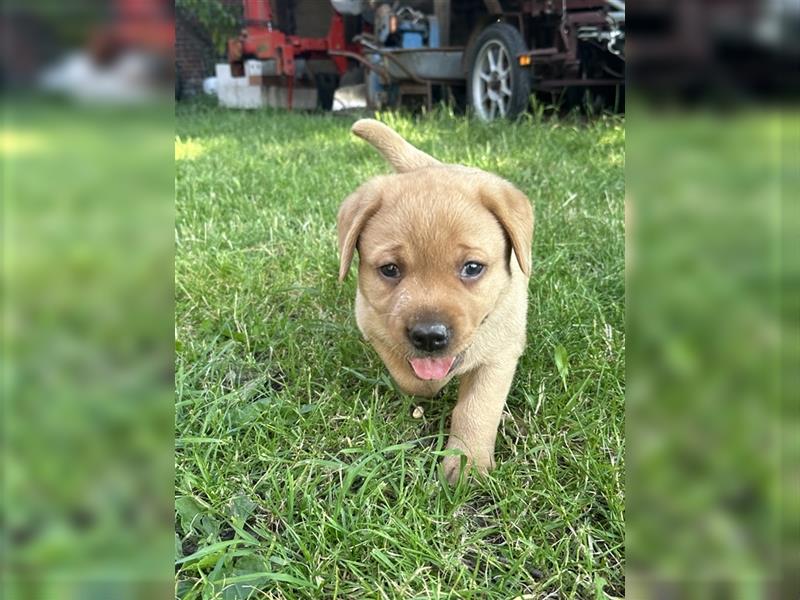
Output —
(354, 213)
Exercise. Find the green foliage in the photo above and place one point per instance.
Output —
(219, 20)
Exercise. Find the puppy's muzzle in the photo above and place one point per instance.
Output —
(430, 336)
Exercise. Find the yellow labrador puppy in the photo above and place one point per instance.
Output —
(445, 258)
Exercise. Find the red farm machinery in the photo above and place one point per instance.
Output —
(489, 55)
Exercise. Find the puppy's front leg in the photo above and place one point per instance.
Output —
(476, 417)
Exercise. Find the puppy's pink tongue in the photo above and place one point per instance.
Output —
(432, 368)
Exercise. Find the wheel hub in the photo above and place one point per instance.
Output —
(492, 81)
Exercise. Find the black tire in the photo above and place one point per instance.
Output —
(491, 93)
(326, 88)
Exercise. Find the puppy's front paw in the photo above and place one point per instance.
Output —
(451, 465)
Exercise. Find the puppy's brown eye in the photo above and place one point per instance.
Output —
(390, 271)
(472, 270)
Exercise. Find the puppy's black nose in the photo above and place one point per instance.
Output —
(429, 336)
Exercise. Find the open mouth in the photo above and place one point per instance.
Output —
(432, 368)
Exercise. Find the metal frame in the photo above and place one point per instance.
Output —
(261, 40)
(566, 22)
(575, 17)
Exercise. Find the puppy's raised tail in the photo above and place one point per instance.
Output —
(399, 153)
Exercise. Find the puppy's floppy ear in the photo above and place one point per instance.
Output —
(399, 153)
(513, 210)
(354, 213)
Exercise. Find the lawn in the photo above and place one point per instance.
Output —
(301, 471)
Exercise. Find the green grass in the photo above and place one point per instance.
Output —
(300, 470)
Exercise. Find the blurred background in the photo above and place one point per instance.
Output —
(713, 141)
(713, 134)
(87, 154)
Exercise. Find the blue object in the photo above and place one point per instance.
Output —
(433, 32)
(411, 35)
(411, 39)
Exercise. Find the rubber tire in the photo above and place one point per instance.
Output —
(326, 88)
(513, 44)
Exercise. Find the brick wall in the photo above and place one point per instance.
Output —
(195, 54)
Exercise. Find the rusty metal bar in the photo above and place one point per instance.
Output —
(382, 73)
(557, 83)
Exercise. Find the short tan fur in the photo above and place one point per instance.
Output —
(430, 220)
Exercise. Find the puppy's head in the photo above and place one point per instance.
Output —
(438, 246)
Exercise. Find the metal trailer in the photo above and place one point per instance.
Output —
(498, 52)
(491, 53)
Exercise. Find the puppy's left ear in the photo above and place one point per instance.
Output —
(514, 212)
(354, 213)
